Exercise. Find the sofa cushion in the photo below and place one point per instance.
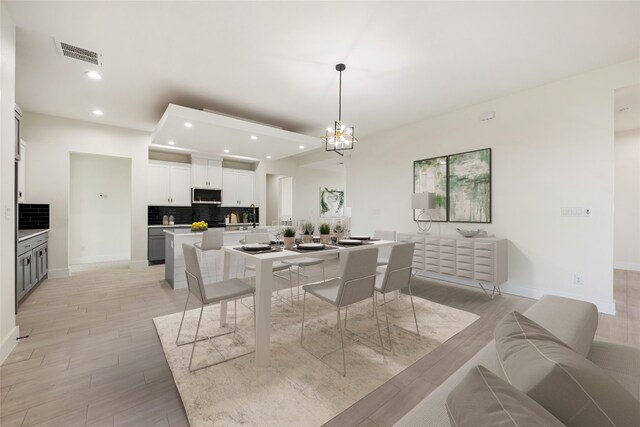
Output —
(484, 399)
(573, 389)
(572, 321)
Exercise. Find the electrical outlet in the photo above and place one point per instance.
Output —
(578, 279)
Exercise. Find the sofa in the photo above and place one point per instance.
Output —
(575, 323)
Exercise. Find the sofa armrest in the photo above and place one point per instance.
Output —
(621, 361)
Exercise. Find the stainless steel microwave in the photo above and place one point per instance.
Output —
(206, 196)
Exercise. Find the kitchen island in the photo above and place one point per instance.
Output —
(174, 259)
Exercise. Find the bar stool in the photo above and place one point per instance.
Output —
(301, 263)
(212, 240)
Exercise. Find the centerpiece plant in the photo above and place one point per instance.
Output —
(338, 229)
(289, 234)
(307, 232)
(325, 231)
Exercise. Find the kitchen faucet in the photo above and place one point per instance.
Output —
(254, 214)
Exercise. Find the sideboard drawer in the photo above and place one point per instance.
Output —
(464, 273)
(447, 243)
(448, 270)
(448, 264)
(484, 261)
(447, 256)
(484, 269)
(465, 244)
(485, 246)
(464, 251)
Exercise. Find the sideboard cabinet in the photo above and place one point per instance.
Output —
(482, 260)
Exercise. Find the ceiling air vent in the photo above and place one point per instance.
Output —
(75, 52)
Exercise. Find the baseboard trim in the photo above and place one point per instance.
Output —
(138, 264)
(604, 306)
(626, 266)
(8, 343)
(56, 273)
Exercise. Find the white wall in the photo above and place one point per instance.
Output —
(100, 209)
(306, 185)
(552, 146)
(51, 141)
(626, 238)
(285, 185)
(8, 329)
(273, 193)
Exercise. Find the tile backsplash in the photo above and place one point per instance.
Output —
(33, 216)
(187, 215)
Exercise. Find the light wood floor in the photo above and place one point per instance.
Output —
(93, 356)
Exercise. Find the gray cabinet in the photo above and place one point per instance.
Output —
(32, 263)
(156, 245)
(156, 249)
(23, 275)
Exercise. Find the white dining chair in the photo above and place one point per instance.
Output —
(355, 284)
(278, 266)
(383, 255)
(207, 294)
(397, 275)
(301, 265)
(212, 240)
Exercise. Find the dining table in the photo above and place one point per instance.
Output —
(264, 284)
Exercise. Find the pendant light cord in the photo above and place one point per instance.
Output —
(340, 100)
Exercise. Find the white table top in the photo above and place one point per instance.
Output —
(287, 254)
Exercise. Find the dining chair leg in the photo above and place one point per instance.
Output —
(195, 340)
(378, 324)
(346, 308)
(183, 313)
(344, 362)
(291, 289)
(235, 315)
(386, 316)
(414, 310)
(304, 298)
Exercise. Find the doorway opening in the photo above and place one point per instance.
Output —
(279, 199)
(99, 210)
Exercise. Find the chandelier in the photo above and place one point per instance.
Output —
(340, 137)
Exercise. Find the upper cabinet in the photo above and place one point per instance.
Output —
(22, 197)
(169, 185)
(206, 173)
(238, 187)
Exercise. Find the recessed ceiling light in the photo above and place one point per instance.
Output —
(187, 124)
(97, 112)
(268, 157)
(254, 137)
(171, 143)
(226, 150)
(301, 147)
(93, 75)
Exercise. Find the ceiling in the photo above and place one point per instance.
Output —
(187, 130)
(274, 62)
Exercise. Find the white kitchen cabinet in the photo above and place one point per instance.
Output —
(206, 173)
(169, 185)
(238, 187)
(22, 165)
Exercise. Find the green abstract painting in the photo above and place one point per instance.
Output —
(430, 176)
(331, 202)
(470, 186)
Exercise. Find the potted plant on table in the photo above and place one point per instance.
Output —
(289, 234)
(325, 236)
(307, 232)
(338, 229)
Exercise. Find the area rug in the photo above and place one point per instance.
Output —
(298, 389)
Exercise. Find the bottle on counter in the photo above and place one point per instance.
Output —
(171, 221)
(165, 220)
